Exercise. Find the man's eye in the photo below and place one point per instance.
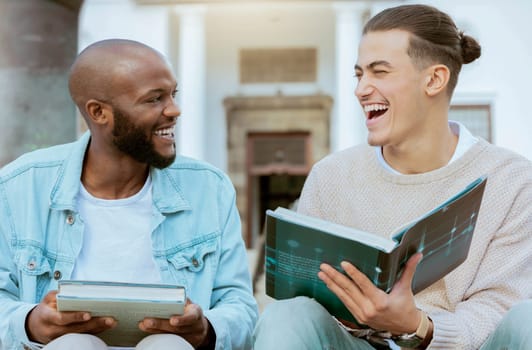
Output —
(154, 99)
(174, 93)
(380, 72)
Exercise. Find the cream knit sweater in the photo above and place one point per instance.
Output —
(351, 188)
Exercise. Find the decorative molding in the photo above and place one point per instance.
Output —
(278, 65)
(277, 102)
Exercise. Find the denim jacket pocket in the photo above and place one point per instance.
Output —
(194, 259)
(34, 272)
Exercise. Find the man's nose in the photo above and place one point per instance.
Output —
(364, 88)
(172, 110)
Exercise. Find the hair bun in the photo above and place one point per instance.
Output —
(470, 48)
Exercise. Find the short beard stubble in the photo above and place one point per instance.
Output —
(132, 140)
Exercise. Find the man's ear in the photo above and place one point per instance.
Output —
(98, 112)
(437, 79)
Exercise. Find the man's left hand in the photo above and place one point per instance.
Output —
(395, 312)
(192, 325)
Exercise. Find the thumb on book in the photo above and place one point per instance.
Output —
(409, 270)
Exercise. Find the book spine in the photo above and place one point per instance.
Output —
(270, 255)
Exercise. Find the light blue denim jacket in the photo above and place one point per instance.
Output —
(196, 236)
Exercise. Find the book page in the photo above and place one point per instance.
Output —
(342, 231)
(121, 290)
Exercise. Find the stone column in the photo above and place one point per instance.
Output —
(191, 80)
(38, 44)
(348, 126)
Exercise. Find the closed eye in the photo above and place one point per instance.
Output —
(154, 99)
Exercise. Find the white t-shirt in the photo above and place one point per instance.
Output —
(465, 141)
(117, 243)
(117, 239)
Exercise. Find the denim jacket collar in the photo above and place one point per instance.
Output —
(167, 197)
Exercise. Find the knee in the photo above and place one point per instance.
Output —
(520, 312)
(289, 309)
(164, 341)
(299, 312)
(77, 341)
(519, 319)
(515, 329)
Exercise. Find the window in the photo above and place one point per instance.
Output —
(477, 118)
(279, 153)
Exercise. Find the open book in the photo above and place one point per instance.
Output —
(297, 244)
(128, 303)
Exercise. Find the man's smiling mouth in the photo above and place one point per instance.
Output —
(166, 133)
(375, 110)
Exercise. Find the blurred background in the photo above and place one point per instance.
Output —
(266, 87)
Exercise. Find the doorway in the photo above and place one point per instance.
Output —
(272, 141)
(277, 166)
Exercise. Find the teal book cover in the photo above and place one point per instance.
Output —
(297, 244)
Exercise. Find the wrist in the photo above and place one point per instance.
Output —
(28, 327)
(210, 338)
(430, 333)
(420, 338)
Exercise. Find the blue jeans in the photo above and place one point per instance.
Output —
(515, 330)
(301, 323)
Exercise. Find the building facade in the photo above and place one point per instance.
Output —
(266, 88)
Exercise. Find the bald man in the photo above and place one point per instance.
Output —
(119, 205)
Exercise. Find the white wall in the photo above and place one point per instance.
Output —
(106, 19)
(233, 27)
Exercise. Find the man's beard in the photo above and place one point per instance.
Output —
(132, 140)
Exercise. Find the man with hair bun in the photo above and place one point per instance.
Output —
(409, 60)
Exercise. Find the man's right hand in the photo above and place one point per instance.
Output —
(44, 323)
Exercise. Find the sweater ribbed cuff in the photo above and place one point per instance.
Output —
(446, 331)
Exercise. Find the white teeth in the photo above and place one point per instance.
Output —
(164, 132)
(375, 107)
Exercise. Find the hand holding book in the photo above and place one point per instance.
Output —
(45, 323)
(127, 303)
(368, 303)
(297, 244)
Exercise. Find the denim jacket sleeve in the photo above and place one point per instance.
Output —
(13, 312)
(234, 311)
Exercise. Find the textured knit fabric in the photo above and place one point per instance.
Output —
(351, 188)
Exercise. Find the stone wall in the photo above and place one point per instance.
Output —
(38, 41)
